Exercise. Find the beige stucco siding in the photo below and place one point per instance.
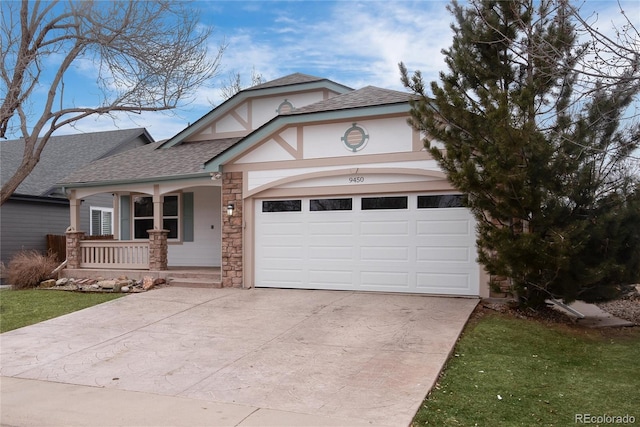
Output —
(205, 248)
(375, 174)
(391, 135)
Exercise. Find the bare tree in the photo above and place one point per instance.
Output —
(234, 84)
(610, 56)
(148, 56)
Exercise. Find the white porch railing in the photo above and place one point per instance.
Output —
(114, 254)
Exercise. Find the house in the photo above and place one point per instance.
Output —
(299, 182)
(39, 207)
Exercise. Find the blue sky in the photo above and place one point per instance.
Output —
(356, 43)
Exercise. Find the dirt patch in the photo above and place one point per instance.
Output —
(627, 308)
(544, 314)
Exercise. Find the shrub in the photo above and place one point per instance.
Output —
(27, 269)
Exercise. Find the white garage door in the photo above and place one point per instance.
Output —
(405, 243)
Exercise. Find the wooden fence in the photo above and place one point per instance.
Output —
(57, 245)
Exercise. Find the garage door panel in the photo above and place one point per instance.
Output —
(282, 228)
(330, 279)
(284, 276)
(384, 279)
(423, 250)
(439, 253)
(342, 229)
(444, 227)
(384, 228)
(387, 253)
(331, 241)
(442, 281)
(331, 253)
(284, 253)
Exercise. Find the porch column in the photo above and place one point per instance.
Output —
(158, 249)
(74, 257)
(157, 208)
(232, 230)
(74, 211)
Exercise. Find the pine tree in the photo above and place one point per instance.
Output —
(539, 148)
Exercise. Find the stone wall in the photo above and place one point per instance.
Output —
(232, 267)
(158, 249)
(73, 248)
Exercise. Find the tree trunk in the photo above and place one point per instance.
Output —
(10, 186)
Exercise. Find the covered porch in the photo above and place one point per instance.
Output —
(160, 229)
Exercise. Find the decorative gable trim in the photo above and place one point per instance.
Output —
(201, 124)
(281, 122)
(288, 148)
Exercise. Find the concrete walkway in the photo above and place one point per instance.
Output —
(229, 357)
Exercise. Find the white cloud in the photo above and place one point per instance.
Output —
(356, 44)
(353, 43)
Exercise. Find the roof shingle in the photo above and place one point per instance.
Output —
(62, 155)
(368, 96)
(291, 79)
(149, 162)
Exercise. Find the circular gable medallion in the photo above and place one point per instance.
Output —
(285, 107)
(355, 138)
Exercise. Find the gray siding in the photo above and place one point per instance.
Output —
(25, 224)
(104, 200)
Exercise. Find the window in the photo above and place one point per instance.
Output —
(442, 201)
(282, 206)
(101, 221)
(170, 211)
(374, 203)
(330, 205)
(143, 216)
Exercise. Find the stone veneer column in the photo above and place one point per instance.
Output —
(232, 230)
(73, 248)
(158, 248)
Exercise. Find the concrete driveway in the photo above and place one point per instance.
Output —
(180, 356)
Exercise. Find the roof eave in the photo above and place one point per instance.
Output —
(150, 180)
(39, 199)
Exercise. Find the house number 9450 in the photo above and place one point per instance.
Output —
(356, 179)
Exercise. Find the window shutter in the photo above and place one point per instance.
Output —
(187, 217)
(125, 217)
(95, 222)
(106, 222)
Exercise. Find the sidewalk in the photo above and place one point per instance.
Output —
(28, 403)
(595, 317)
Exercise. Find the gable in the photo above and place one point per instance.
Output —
(246, 116)
(251, 108)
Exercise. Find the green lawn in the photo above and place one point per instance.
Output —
(26, 307)
(515, 372)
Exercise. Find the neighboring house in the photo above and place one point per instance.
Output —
(39, 206)
(300, 182)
